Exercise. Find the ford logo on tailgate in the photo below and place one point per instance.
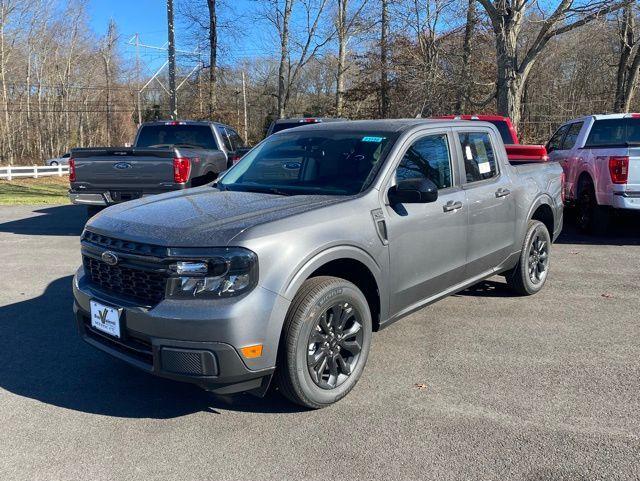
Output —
(122, 165)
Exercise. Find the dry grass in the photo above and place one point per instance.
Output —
(45, 190)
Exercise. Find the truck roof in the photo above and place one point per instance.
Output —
(390, 125)
(604, 117)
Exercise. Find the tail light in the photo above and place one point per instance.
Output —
(619, 169)
(563, 192)
(72, 170)
(181, 169)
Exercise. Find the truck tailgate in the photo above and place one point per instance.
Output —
(633, 182)
(123, 169)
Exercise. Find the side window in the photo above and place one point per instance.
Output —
(479, 158)
(556, 139)
(428, 158)
(572, 135)
(236, 140)
(225, 139)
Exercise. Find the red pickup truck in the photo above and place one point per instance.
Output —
(516, 152)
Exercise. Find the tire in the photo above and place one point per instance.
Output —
(93, 210)
(319, 378)
(591, 218)
(53, 164)
(530, 275)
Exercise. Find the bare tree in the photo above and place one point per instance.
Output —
(107, 54)
(513, 65)
(307, 41)
(384, 58)
(213, 55)
(464, 85)
(346, 23)
(629, 60)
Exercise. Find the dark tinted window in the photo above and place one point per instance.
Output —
(168, 135)
(427, 158)
(556, 139)
(503, 128)
(236, 140)
(277, 127)
(572, 135)
(479, 158)
(314, 162)
(614, 132)
(225, 139)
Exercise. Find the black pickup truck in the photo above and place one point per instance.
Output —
(166, 156)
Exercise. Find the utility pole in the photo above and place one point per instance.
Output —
(172, 62)
(244, 101)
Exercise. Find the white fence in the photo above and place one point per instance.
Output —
(34, 171)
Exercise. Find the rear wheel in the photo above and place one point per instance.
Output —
(325, 342)
(53, 163)
(591, 217)
(529, 276)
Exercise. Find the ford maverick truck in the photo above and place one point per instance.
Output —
(279, 273)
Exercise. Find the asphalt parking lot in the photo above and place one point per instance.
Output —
(482, 385)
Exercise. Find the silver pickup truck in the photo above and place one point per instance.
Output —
(319, 236)
(166, 156)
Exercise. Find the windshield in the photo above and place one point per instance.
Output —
(311, 162)
(152, 136)
(614, 132)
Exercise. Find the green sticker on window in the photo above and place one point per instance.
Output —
(373, 139)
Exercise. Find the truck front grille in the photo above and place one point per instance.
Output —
(138, 285)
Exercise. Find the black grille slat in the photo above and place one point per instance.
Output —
(140, 285)
(138, 248)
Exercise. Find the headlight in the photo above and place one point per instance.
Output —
(223, 272)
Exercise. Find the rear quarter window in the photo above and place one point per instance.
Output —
(614, 132)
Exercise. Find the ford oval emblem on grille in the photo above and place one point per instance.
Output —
(109, 257)
(122, 165)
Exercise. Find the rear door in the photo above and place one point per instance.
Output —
(427, 242)
(492, 210)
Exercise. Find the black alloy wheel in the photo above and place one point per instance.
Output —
(335, 344)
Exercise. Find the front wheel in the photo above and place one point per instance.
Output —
(529, 276)
(53, 164)
(325, 342)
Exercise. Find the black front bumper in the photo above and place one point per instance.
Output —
(214, 366)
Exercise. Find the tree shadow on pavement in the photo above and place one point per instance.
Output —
(63, 220)
(43, 358)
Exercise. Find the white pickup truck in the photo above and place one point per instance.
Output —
(600, 156)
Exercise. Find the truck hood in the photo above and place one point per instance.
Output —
(201, 217)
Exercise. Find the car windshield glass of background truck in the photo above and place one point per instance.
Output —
(311, 162)
(614, 132)
(152, 136)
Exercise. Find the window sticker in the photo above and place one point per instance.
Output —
(484, 167)
(467, 152)
(373, 139)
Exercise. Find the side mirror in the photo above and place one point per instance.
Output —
(413, 191)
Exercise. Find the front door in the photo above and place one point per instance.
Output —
(427, 242)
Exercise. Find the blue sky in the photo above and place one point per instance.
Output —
(148, 18)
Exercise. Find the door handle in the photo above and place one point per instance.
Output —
(452, 206)
(502, 192)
